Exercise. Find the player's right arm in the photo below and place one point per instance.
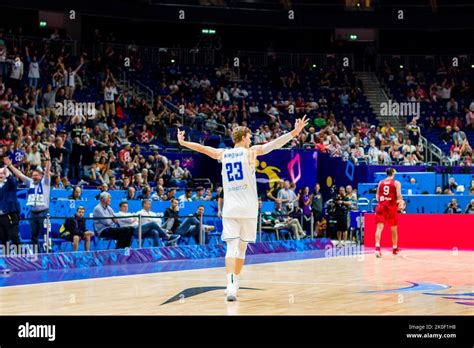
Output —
(399, 191)
(377, 192)
(207, 150)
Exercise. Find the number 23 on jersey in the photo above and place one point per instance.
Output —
(234, 171)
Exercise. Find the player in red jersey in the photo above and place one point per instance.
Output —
(389, 198)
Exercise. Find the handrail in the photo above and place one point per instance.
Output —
(176, 110)
(148, 89)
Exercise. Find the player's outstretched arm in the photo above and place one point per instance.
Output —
(207, 150)
(282, 140)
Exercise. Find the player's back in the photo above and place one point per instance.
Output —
(239, 184)
(387, 192)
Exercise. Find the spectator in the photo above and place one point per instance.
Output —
(71, 76)
(9, 210)
(447, 136)
(438, 190)
(159, 195)
(60, 156)
(76, 194)
(124, 217)
(453, 207)
(16, 74)
(74, 229)
(413, 132)
(373, 152)
(342, 206)
(456, 121)
(286, 221)
(145, 194)
(186, 196)
(470, 207)
(172, 221)
(352, 194)
(162, 167)
(151, 225)
(222, 95)
(171, 193)
(102, 188)
(455, 153)
(317, 204)
(109, 97)
(33, 68)
(106, 225)
(469, 118)
(452, 184)
(199, 196)
(145, 136)
(304, 202)
(286, 195)
(130, 194)
(192, 226)
(3, 60)
(452, 106)
(178, 174)
(39, 188)
(458, 135)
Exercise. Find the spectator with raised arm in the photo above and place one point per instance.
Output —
(38, 194)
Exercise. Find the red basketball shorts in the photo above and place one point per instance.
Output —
(386, 215)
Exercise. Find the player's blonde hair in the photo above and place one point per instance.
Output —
(239, 133)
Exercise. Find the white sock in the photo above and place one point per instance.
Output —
(377, 245)
(230, 278)
(395, 247)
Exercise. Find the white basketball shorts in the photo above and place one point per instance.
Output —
(243, 228)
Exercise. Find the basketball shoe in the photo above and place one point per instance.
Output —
(378, 253)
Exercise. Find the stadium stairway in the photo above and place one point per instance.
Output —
(376, 96)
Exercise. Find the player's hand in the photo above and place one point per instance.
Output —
(181, 136)
(401, 204)
(219, 214)
(301, 123)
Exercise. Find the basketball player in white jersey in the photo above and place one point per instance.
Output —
(240, 193)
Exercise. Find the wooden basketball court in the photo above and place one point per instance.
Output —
(415, 282)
